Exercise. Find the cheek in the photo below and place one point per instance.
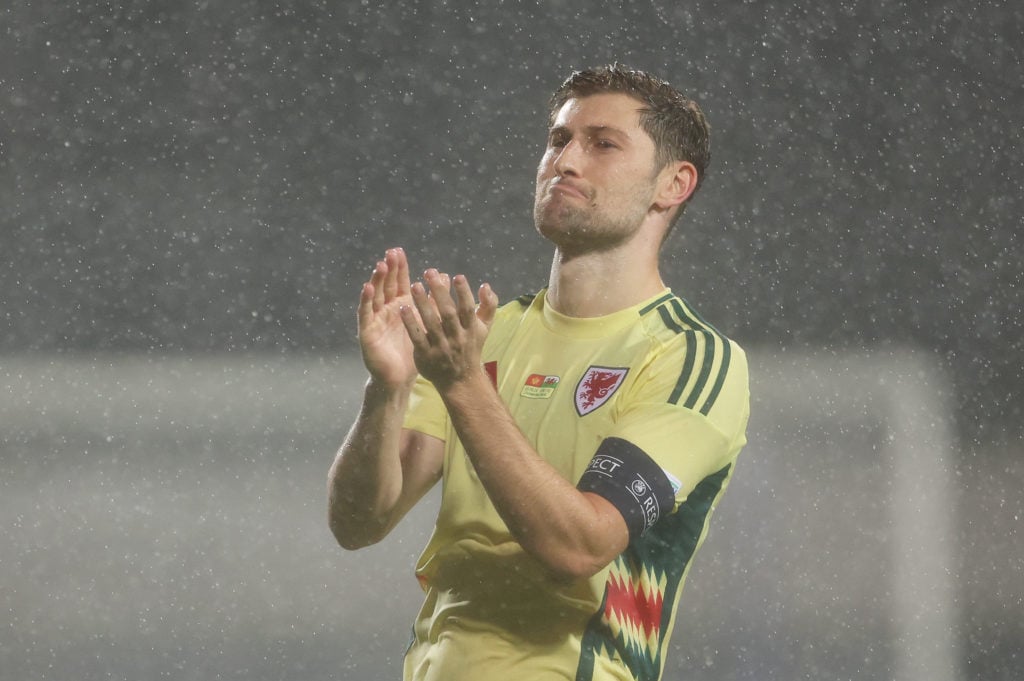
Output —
(544, 173)
(631, 192)
(545, 166)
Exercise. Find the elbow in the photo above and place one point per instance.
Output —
(570, 561)
(575, 569)
(588, 548)
(351, 527)
(352, 544)
(350, 537)
(348, 541)
(352, 541)
(571, 565)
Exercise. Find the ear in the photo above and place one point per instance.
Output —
(676, 183)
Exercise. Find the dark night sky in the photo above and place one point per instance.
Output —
(208, 177)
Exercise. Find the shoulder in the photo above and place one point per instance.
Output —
(698, 366)
(516, 308)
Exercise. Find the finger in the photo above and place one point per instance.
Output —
(488, 305)
(401, 272)
(465, 304)
(413, 328)
(439, 284)
(377, 279)
(427, 309)
(391, 280)
(365, 311)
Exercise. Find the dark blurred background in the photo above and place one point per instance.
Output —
(191, 194)
(199, 177)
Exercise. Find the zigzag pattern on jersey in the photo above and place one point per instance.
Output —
(633, 607)
(707, 357)
(643, 586)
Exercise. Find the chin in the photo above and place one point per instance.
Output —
(558, 231)
(569, 241)
(562, 221)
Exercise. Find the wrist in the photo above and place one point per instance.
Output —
(467, 388)
(377, 390)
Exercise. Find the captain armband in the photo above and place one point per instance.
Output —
(626, 476)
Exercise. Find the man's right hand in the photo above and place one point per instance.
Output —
(387, 350)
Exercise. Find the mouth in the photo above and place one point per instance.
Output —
(562, 187)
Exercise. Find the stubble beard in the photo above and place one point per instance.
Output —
(582, 228)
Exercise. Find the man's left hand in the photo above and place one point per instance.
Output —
(449, 333)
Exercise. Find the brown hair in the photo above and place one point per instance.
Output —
(675, 123)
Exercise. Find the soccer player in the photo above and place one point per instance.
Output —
(584, 434)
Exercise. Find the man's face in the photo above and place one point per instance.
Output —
(596, 180)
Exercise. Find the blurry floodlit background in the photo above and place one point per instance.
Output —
(191, 194)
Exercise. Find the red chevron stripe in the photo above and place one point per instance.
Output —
(633, 605)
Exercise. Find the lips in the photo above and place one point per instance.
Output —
(563, 187)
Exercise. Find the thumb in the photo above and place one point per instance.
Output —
(488, 305)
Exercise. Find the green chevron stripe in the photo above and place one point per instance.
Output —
(705, 371)
(684, 375)
(647, 308)
(720, 380)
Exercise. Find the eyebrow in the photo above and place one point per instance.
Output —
(591, 130)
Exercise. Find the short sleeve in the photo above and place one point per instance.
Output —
(688, 440)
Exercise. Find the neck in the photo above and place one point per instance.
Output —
(600, 283)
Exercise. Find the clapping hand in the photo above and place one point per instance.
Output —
(447, 332)
(387, 350)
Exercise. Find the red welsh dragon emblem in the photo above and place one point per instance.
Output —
(596, 387)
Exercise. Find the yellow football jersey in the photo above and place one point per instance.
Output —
(671, 394)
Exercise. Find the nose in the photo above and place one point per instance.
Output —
(568, 159)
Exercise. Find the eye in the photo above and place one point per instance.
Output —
(603, 143)
(557, 140)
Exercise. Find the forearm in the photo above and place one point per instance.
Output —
(573, 533)
(560, 526)
(365, 480)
